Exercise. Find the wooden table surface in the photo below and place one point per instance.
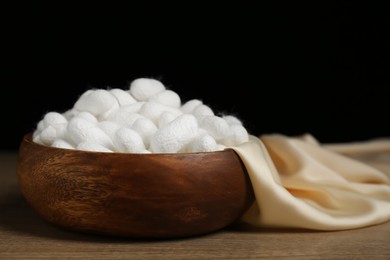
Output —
(25, 235)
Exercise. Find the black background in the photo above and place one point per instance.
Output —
(281, 68)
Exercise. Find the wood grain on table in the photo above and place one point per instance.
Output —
(25, 235)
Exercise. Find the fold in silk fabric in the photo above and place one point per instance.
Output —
(300, 183)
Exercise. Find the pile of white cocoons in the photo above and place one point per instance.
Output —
(146, 118)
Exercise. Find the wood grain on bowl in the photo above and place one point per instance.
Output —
(135, 195)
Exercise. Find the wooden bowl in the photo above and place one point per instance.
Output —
(134, 195)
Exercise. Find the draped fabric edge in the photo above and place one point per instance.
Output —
(277, 206)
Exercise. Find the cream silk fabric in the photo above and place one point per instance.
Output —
(300, 183)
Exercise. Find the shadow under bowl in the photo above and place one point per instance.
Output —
(134, 195)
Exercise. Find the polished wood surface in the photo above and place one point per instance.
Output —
(134, 195)
(25, 235)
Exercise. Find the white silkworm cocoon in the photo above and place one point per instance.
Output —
(189, 106)
(90, 146)
(119, 115)
(87, 92)
(232, 120)
(97, 102)
(135, 107)
(80, 123)
(175, 136)
(167, 98)
(69, 114)
(35, 137)
(131, 108)
(202, 143)
(216, 126)
(123, 117)
(39, 129)
(109, 128)
(165, 118)
(145, 128)
(238, 134)
(144, 88)
(104, 116)
(127, 140)
(153, 111)
(146, 118)
(81, 130)
(61, 130)
(123, 97)
(202, 111)
(60, 143)
(87, 116)
(51, 127)
(48, 135)
(53, 119)
(51, 133)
